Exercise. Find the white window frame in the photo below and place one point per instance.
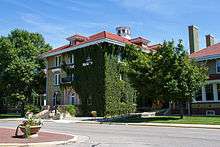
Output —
(72, 76)
(120, 77)
(73, 98)
(71, 59)
(58, 61)
(57, 79)
(216, 66)
(119, 56)
(88, 61)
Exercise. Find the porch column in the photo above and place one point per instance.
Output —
(215, 92)
(45, 101)
(203, 94)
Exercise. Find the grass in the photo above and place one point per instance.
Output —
(11, 115)
(208, 120)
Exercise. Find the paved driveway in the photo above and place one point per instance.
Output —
(102, 135)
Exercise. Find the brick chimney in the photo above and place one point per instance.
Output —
(210, 40)
(193, 38)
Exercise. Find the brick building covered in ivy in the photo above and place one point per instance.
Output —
(86, 72)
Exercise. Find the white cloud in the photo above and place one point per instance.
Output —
(42, 25)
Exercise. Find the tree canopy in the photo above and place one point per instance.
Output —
(21, 69)
(168, 74)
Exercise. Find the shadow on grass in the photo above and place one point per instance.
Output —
(149, 119)
(3, 116)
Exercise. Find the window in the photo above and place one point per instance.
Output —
(73, 99)
(119, 31)
(198, 95)
(119, 57)
(57, 79)
(218, 90)
(71, 59)
(71, 76)
(88, 61)
(57, 61)
(209, 92)
(121, 77)
(89, 100)
(217, 66)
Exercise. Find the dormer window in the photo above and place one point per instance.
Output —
(217, 66)
(119, 31)
(72, 42)
(76, 39)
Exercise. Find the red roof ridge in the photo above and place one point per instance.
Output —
(59, 48)
(102, 35)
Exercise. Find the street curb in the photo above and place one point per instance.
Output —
(41, 144)
(177, 125)
(159, 125)
(132, 124)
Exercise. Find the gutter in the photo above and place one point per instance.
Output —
(45, 55)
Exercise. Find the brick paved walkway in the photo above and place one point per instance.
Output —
(7, 136)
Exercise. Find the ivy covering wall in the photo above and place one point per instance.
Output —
(119, 95)
(98, 83)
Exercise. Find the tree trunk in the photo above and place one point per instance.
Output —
(22, 108)
(189, 108)
(181, 110)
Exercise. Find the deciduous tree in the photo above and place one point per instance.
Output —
(21, 69)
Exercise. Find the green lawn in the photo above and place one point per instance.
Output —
(211, 120)
(9, 116)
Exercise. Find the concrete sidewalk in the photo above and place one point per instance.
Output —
(89, 120)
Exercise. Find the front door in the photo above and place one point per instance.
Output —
(72, 98)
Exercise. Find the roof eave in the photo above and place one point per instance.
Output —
(209, 57)
(84, 45)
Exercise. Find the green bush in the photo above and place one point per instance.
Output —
(71, 109)
(31, 108)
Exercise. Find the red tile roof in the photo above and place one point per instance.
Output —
(211, 50)
(95, 37)
(59, 48)
(77, 36)
(139, 40)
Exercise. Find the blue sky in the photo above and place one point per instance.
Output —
(157, 20)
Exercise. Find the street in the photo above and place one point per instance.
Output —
(103, 135)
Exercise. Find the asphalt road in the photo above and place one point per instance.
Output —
(102, 135)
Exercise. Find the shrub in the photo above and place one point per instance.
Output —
(31, 108)
(71, 109)
(94, 113)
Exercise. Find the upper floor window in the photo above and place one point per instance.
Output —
(57, 79)
(209, 92)
(71, 59)
(88, 61)
(57, 61)
(123, 31)
(217, 66)
(119, 56)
